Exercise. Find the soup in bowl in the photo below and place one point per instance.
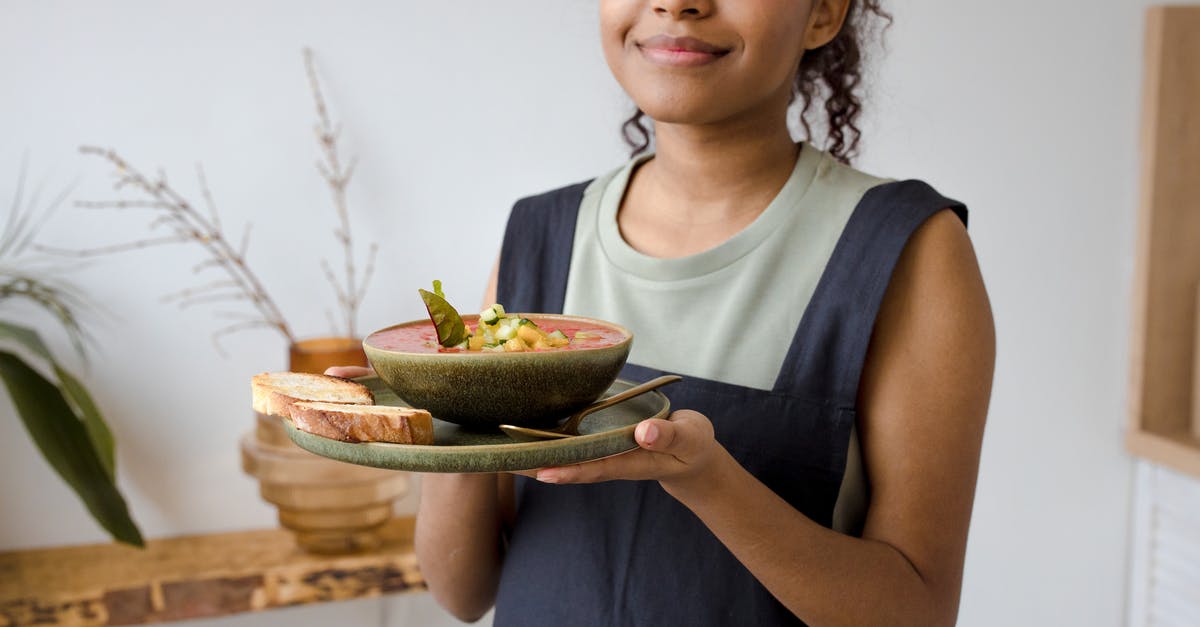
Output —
(482, 389)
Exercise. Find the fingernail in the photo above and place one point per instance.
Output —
(547, 476)
(649, 433)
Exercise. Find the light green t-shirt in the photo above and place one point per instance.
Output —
(766, 273)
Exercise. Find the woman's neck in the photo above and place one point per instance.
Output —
(704, 184)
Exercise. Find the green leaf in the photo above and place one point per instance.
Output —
(97, 430)
(437, 288)
(81, 402)
(451, 330)
(63, 440)
(26, 337)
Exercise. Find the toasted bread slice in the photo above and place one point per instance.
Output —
(364, 423)
(275, 392)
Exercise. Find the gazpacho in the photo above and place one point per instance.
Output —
(495, 331)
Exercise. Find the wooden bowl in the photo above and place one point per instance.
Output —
(485, 389)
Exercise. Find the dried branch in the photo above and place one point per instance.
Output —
(350, 294)
(213, 298)
(193, 291)
(190, 225)
(234, 328)
(341, 296)
(202, 226)
(370, 270)
(208, 199)
(206, 264)
(332, 322)
(122, 204)
(245, 245)
(234, 315)
(114, 248)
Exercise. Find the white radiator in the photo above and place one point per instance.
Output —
(1165, 575)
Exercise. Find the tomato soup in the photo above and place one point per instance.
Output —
(421, 337)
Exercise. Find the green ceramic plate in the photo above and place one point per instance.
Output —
(455, 449)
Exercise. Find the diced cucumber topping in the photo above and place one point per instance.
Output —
(506, 332)
(558, 334)
(499, 309)
(489, 315)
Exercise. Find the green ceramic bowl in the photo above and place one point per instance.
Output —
(485, 389)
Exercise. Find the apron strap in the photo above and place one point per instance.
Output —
(535, 257)
(830, 346)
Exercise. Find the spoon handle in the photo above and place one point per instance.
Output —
(572, 425)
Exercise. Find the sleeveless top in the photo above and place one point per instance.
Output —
(626, 552)
(716, 297)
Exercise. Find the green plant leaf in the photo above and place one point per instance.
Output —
(25, 337)
(81, 402)
(63, 440)
(97, 430)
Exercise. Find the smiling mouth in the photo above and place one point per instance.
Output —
(680, 51)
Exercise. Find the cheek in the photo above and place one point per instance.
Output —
(774, 48)
(617, 18)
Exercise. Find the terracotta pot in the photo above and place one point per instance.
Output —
(333, 507)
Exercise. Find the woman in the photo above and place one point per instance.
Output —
(832, 328)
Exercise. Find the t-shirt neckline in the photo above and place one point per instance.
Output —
(629, 259)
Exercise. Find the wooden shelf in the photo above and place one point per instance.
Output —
(194, 577)
(1166, 348)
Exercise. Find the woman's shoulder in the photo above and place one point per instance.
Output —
(881, 195)
(844, 177)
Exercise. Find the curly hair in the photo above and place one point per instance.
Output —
(831, 74)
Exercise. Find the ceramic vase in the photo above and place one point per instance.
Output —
(333, 507)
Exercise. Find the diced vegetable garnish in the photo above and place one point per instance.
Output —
(496, 331)
(529, 333)
(505, 332)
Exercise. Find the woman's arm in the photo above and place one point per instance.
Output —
(459, 521)
(923, 402)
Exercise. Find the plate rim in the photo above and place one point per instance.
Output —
(468, 452)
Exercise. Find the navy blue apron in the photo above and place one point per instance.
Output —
(626, 552)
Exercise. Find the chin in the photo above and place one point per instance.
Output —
(681, 109)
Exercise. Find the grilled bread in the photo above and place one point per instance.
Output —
(364, 423)
(275, 392)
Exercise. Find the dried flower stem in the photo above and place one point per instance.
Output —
(190, 224)
(351, 294)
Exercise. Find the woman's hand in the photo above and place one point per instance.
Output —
(678, 452)
(348, 372)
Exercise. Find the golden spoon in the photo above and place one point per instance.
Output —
(570, 428)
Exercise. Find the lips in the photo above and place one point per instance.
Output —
(680, 51)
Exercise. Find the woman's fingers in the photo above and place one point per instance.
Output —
(348, 372)
(684, 435)
(632, 465)
(667, 448)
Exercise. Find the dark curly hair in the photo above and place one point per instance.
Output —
(831, 73)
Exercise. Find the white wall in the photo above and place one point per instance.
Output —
(1028, 111)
